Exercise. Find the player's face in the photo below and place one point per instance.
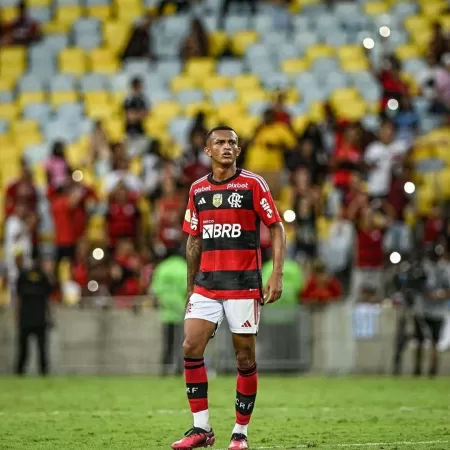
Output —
(222, 147)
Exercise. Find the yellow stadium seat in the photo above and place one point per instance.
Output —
(252, 96)
(8, 13)
(344, 94)
(115, 128)
(58, 98)
(434, 9)
(183, 82)
(244, 125)
(357, 65)
(422, 37)
(241, 40)
(67, 14)
(444, 20)
(39, 175)
(199, 68)
(300, 123)
(294, 66)
(246, 82)
(376, 8)
(27, 98)
(166, 111)
(101, 12)
(26, 139)
(103, 60)
(407, 51)
(292, 96)
(416, 23)
(217, 42)
(116, 35)
(99, 111)
(8, 111)
(9, 172)
(425, 198)
(317, 112)
(320, 51)
(7, 84)
(352, 111)
(97, 97)
(24, 126)
(228, 110)
(72, 61)
(12, 60)
(56, 27)
(129, 13)
(193, 109)
(350, 52)
(33, 3)
(214, 82)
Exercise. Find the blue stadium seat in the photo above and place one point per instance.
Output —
(336, 38)
(301, 23)
(86, 25)
(210, 23)
(154, 80)
(169, 69)
(304, 40)
(298, 109)
(45, 70)
(30, 83)
(179, 128)
(371, 122)
(93, 82)
(136, 67)
(70, 112)
(415, 66)
(56, 42)
(274, 81)
(41, 14)
(230, 67)
(258, 108)
(220, 96)
(288, 51)
(62, 83)
(119, 82)
(190, 96)
(35, 154)
(88, 41)
(234, 23)
(404, 9)
(263, 23)
(158, 95)
(37, 111)
(4, 125)
(176, 26)
(257, 53)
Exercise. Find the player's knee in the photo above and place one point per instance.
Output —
(192, 349)
(244, 357)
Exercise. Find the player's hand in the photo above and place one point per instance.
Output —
(273, 289)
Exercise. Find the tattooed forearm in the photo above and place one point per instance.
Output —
(193, 255)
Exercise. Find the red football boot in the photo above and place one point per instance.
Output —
(238, 442)
(195, 438)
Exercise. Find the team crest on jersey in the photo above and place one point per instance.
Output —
(235, 200)
(217, 200)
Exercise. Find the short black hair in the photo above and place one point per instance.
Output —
(219, 128)
(136, 82)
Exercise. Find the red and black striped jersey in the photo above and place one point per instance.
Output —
(227, 216)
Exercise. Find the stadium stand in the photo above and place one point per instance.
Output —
(335, 63)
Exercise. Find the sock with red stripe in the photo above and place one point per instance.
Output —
(247, 387)
(197, 391)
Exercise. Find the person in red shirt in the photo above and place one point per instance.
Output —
(64, 202)
(433, 226)
(123, 219)
(390, 78)
(80, 266)
(321, 287)
(369, 258)
(347, 158)
(279, 109)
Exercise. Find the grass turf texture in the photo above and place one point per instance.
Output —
(150, 413)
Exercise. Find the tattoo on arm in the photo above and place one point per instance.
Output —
(193, 256)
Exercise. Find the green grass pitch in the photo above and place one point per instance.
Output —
(291, 413)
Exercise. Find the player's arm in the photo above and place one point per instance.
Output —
(193, 256)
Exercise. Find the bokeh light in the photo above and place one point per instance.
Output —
(77, 176)
(98, 254)
(289, 216)
(385, 31)
(369, 43)
(93, 286)
(392, 104)
(409, 187)
(395, 257)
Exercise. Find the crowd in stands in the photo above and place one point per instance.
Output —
(341, 184)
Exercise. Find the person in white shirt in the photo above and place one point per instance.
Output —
(121, 173)
(380, 157)
(18, 243)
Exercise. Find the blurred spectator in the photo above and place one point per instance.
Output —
(321, 287)
(136, 110)
(198, 126)
(307, 208)
(23, 30)
(34, 317)
(347, 159)
(17, 243)
(369, 261)
(380, 157)
(443, 83)
(406, 120)
(195, 162)
(151, 167)
(123, 218)
(100, 150)
(80, 265)
(21, 191)
(64, 202)
(169, 215)
(140, 44)
(440, 44)
(313, 133)
(433, 226)
(57, 167)
(391, 81)
(147, 269)
(399, 236)
(121, 174)
(195, 45)
(169, 286)
(279, 109)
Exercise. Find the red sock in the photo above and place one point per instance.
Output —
(247, 386)
(196, 383)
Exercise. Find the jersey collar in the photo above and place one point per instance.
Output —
(219, 183)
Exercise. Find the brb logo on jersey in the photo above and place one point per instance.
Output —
(235, 200)
(266, 207)
(217, 230)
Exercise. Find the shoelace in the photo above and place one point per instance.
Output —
(238, 437)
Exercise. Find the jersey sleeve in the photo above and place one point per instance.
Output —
(191, 222)
(264, 205)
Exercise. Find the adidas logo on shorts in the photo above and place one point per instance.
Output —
(246, 324)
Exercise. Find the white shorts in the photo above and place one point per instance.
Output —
(242, 315)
